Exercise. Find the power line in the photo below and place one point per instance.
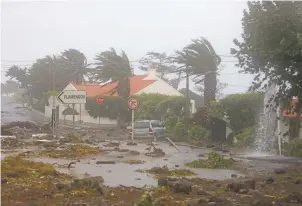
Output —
(223, 55)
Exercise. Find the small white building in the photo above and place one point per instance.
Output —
(139, 84)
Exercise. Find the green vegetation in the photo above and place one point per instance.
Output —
(294, 148)
(214, 161)
(71, 152)
(165, 171)
(245, 138)
(18, 167)
(152, 106)
(270, 52)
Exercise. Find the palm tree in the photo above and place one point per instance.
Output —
(76, 63)
(199, 60)
(115, 68)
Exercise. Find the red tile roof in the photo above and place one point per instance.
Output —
(137, 83)
(291, 111)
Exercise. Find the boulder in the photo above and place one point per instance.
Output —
(92, 182)
(133, 152)
(181, 186)
(242, 184)
(61, 185)
(270, 180)
(280, 171)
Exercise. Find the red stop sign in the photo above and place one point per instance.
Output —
(100, 100)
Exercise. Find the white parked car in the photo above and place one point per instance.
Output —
(148, 129)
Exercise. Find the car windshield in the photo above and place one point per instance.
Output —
(140, 125)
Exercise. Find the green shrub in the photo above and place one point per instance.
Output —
(197, 133)
(214, 161)
(245, 138)
(294, 148)
(180, 133)
(170, 123)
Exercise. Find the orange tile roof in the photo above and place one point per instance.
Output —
(291, 111)
(137, 83)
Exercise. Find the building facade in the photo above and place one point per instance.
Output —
(139, 84)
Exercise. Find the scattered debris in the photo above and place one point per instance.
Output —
(71, 151)
(167, 172)
(71, 137)
(155, 152)
(133, 162)
(105, 162)
(132, 143)
(133, 152)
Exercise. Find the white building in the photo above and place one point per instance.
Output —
(139, 84)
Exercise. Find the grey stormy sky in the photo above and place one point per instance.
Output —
(31, 30)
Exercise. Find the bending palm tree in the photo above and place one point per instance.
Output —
(200, 60)
(76, 62)
(115, 68)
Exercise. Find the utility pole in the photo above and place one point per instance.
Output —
(53, 102)
(187, 96)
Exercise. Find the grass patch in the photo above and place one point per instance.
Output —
(214, 161)
(167, 172)
(72, 151)
(16, 166)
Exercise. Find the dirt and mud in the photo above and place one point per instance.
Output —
(74, 171)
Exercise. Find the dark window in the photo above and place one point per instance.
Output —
(154, 124)
(141, 125)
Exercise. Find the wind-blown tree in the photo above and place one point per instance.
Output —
(11, 86)
(39, 78)
(19, 74)
(163, 65)
(199, 60)
(76, 63)
(3, 89)
(116, 68)
(271, 47)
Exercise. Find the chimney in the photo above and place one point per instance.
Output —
(151, 74)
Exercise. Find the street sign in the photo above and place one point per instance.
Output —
(133, 104)
(73, 97)
(99, 100)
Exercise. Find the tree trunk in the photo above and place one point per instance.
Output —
(210, 83)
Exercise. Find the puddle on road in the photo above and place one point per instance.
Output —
(124, 174)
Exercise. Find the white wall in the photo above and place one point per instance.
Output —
(85, 117)
(160, 87)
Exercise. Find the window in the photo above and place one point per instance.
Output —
(141, 125)
(154, 124)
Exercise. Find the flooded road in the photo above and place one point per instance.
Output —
(11, 111)
(125, 174)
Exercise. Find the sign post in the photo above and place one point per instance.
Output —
(73, 97)
(133, 104)
(99, 100)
